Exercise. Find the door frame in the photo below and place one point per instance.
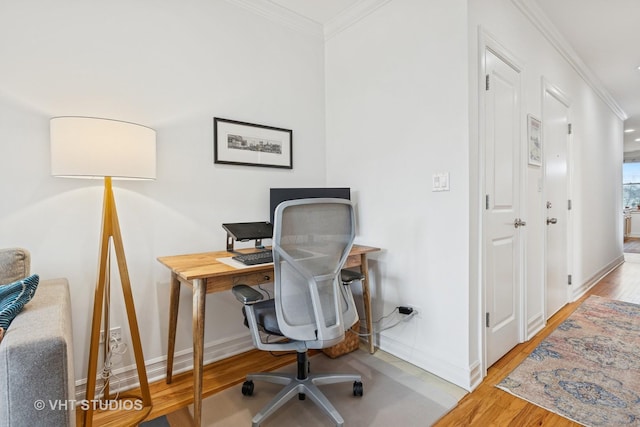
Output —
(562, 97)
(487, 42)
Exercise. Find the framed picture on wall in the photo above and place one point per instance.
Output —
(534, 143)
(248, 144)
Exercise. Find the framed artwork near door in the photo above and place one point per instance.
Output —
(533, 141)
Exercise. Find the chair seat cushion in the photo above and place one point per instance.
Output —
(265, 312)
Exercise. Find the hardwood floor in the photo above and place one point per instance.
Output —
(175, 397)
(490, 406)
(632, 245)
(485, 406)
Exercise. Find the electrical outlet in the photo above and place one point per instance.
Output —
(115, 333)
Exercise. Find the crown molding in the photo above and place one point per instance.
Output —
(533, 12)
(295, 21)
(351, 15)
(281, 15)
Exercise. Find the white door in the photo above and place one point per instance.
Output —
(501, 233)
(555, 125)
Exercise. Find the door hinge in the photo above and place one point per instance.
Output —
(486, 320)
(569, 204)
(486, 202)
(569, 281)
(486, 82)
(569, 129)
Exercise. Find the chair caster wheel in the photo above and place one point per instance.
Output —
(302, 396)
(358, 390)
(247, 388)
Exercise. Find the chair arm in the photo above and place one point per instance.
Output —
(246, 295)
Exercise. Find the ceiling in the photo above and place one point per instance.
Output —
(603, 33)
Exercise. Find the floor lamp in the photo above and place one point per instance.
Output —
(86, 147)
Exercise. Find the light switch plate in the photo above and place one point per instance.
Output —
(441, 181)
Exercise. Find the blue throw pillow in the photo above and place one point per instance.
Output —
(13, 298)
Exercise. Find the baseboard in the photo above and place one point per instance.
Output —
(582, 289)
(465, 377)
(127, 377)
(535, 325)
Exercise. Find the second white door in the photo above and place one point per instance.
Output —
(556, 132)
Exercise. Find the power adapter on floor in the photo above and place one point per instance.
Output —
(405, 310)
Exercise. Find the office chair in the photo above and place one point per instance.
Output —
(311, 308)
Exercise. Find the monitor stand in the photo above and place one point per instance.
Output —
(231, 240)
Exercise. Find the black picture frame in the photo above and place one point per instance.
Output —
(534, 144)
(249, 144)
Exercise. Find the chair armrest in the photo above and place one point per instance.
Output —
(246, 295)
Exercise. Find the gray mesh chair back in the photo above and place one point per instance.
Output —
(311, 306)
(311, 243)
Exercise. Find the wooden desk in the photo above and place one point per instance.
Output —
(205, 274)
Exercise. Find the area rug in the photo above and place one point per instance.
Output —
(392, 396)
(588, 369)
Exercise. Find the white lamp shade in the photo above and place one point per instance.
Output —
(87, 147)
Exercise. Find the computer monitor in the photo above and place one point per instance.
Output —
(279, 195)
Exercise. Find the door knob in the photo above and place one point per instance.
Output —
(552, 221)
(519, 223)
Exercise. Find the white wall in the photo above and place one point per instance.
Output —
(401, 105)
(396, 114)
(595, 154)
(172, 66)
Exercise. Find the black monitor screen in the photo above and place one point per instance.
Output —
(279, 195)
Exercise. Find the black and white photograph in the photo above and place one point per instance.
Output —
(247, 144)
(533, 137)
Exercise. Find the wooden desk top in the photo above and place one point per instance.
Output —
(206, 265)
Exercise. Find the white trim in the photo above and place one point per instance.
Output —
(302, 24)
(532, 11)
(535, 325)
(580, 291)
(281, 15)
(467, 377)
(127, 377)
(351, 15)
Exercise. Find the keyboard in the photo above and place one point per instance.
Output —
(262, 257)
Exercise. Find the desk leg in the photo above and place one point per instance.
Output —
(199, 293)
(174, 301)
(366, 296)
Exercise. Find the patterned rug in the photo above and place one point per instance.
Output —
(588, 369)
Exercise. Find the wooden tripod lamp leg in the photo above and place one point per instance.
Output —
(130, 308)
(111, 230)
